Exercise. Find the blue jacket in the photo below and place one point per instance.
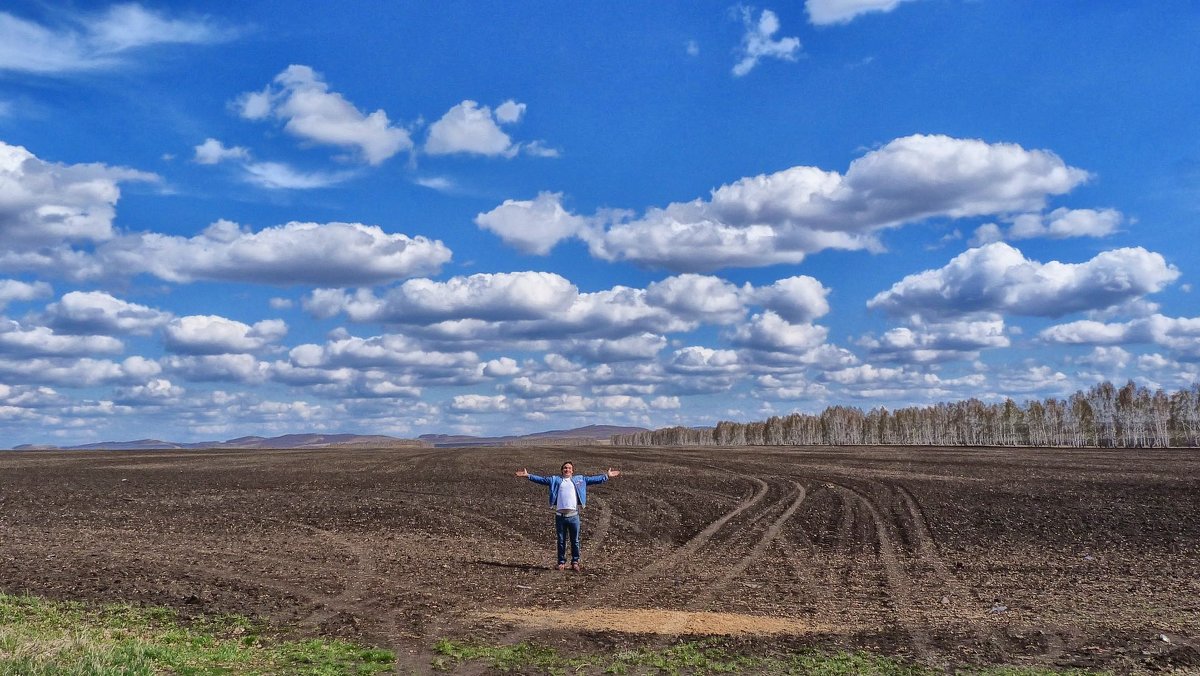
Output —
(581, 484)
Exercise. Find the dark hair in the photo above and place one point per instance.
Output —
(564, 466)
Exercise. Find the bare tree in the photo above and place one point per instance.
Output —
(1103, 416)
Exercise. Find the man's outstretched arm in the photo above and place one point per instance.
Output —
(524, 473)
(600, 478)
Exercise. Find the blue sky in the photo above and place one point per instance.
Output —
(499, 218)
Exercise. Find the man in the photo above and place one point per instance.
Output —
(568, 495)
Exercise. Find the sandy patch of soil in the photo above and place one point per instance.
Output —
(655, 621)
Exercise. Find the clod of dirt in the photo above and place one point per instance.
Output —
(1179, 658)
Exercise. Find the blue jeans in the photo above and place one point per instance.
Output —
(567, 527)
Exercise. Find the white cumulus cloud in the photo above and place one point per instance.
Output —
(500, 368)
(46, 203)
(769, 332)
(666, 403)
(18, 340)
(1062, 223)
(478, 403)
(301, 98)
(213, 151)
(642, 346)
(758, 43)
(341, 254)
(391, 352)
(83, 312)
(826, 12)
(14, 290)
(471, 128)
(210, 334)
(796, 299)
(82, 372)
(502, 296)
(532, 226)
(1058, 224)
(698, 359)
(998, 278)
(698, 297)
(939, 342)
(241, 368)
(1181, 335)
(784, 216)
(154, 392)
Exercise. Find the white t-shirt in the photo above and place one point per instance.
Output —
(567, 500)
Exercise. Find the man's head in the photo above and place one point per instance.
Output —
(567, 470)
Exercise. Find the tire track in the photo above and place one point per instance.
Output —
(365, 568)
(353, 594)
(472, 519)
(929, 552)
(789, 504)
(764, 541)
(925, 543)
(604, 523)
(819, 597)
(324, 605)
(898, 581)
(700, 539)
(621, 587)
(687, 548)
(353, 600)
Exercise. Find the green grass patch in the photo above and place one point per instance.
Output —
(71, 638)
(697, 657)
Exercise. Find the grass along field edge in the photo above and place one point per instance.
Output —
(700, 657)
(39, 636)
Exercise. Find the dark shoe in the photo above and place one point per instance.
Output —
(561, 566)
(576, 567)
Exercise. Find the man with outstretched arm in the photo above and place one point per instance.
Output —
(568, 495)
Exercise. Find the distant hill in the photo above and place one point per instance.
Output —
(139, 445)
(591, 434)
(318, 441)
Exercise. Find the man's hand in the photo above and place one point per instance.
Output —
(613, 472)
(523, 473)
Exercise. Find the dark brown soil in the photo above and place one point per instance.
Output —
(946, 556)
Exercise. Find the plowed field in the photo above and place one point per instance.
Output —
(945, 556)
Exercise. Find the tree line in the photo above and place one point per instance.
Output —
(1105, 416)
